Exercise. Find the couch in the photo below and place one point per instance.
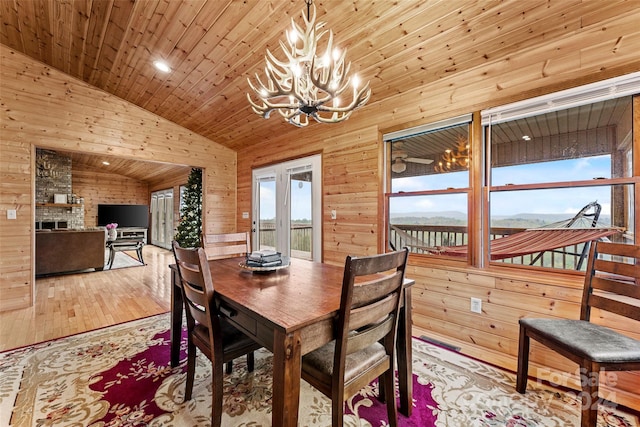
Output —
(65, 251)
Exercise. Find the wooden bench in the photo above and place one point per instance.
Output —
(119, 245)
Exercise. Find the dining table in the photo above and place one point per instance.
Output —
(291, 312)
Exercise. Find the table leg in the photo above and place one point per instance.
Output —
(176, 317)
(405, 355)
(112, 255)
(139, 252)
(287, 370)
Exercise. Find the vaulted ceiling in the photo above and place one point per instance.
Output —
(214, 46)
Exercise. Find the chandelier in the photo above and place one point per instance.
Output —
(453, 160)
(307, 84)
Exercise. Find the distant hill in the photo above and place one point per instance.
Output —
(523, 220)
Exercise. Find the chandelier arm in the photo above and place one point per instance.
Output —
(358, 101)
(309, 83)
(335, 117)
(275, 63)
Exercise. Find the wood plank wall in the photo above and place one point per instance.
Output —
(36, 109)
(44, 108)
(97, 187)
(443, 290)
(352, 166)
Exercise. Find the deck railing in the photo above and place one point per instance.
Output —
(426, 239)
(300, 238)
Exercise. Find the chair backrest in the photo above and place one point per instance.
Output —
(612, 281)
(197, 286)
(369, 305)
(226, 245)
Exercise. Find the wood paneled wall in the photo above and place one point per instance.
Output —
(352, 185)
(44, 108)
(99, 187)
(49, 109)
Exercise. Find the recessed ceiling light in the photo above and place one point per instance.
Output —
(162, 66)
(106, 163)
(526, 137)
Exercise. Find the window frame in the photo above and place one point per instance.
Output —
(604, 90)
(479, 191)
(389, 138)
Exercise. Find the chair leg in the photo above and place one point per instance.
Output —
(523, 361)
(217, 386)
(250, 362)
(191, 369)
(337, 409)
(389, 387)
(590, 399)
(381, 390)
(229, 368)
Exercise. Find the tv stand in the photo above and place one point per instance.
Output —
(132, 233)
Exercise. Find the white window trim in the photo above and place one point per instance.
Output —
(429, 127)
(617, 87)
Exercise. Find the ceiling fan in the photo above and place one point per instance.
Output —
(399, 160)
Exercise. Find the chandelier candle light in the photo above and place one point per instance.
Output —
(306, 84)
(455, 160)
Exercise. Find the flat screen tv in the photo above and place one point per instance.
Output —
(124, 215)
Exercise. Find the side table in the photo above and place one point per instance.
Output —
(119, 245)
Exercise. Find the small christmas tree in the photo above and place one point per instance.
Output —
(190, 226)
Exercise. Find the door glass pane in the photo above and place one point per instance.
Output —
(168, 227)
(267, 213)
(154, 219)
(301, 215)
(161, 219)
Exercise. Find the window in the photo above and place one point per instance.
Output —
(557, 173)
(428, 170)
(561, 165)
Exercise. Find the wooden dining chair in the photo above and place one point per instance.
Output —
(365, 334)
(612, 284)
(226, 245)
(207, 330)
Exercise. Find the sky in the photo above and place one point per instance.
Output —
(555, 201)
(569, 200)
(300, 200)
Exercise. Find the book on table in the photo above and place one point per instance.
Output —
(264, 258)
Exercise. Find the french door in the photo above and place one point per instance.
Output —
(162, 218)
(287, 211)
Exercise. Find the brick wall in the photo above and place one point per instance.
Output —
(53, 176)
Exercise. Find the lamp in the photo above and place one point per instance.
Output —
(398, 166)
(307, 84)
(453, 160)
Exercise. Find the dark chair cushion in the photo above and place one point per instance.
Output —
(233, 340)
(319, 363)
(586, 339)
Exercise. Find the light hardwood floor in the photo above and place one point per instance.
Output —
(74, 303)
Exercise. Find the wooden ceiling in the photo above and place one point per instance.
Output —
(213, 46)
(149, 172)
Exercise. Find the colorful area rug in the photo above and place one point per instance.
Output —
(120, 376)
